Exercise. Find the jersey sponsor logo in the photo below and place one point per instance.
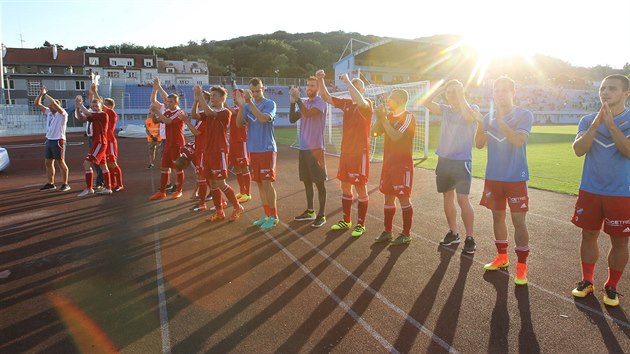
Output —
(516, 200)
(616, 223)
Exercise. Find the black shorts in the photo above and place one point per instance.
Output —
(55, 149)
(453, 174)
(312, 166)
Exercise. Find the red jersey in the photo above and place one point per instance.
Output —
(356, 126)
(237, 135)
(99, 127)
(400, 152)
(201, 139)
(175, 130)
(216, 129)
(112, 118)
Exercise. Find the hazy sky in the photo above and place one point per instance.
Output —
(579, 31)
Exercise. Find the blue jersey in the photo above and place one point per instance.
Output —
(456, 135)
(506, 162)
(606, 171)
(260, 136)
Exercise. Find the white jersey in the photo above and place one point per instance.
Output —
(56, 125)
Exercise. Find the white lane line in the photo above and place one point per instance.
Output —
(164, 329)
(374, 333)
(566, 299)
(374, 292)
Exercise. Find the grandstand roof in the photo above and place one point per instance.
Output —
(400, 52)
(42, 56)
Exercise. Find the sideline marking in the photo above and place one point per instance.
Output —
(31, 145)
(164, 330)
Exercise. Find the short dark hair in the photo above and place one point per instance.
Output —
(255, 82)
(220, 90)
(505, 80)
(625, 81)
(109, 102)
(174, 96)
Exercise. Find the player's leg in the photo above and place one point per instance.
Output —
(89, 174)
(407, 216)
(521, 239)
(617, 260)
(362, 207)
(499, 227)
(389, 210)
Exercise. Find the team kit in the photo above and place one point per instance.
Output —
(243, 137)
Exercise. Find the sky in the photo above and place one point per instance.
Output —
(581, 32)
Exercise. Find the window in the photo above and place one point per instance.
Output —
(33, 87)
(183, 81)
(131, 75)
(93, 61)
(199, 83)
(31, 106)
(377, 78)
(148, 62)
(168, 82)
(64, 103)
(11, 101)
(148, 76)
(9, 84)
(129, 62)
(79, 85)
(60, 85)
(196, 71)
(170, 70)
(113, 62)
(113, 74)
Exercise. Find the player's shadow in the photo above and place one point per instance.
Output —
(591, 307)
(301, 335)
(527, 341)
(423, 305)
(500, 321)
(621, 320)
(446, 325)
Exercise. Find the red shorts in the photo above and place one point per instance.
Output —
(112, 151)
(97, 154)
(591, 210)
(354, 168)
(169, 155)
(496, 193)
(397, 180)
(238, 154)
(215, 165)
(263, 166)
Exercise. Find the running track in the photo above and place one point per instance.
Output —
(122, 274)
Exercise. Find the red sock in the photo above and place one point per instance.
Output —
(273, 212)
(502, 246)
(88, 179)
(521, 253)
(217, 199)
(266, 209)
(107, 179)
(407, 215)
(613, 278)
(163, 180)
(247, 182)
(389, 211)
(346, 206)
(230, 195)
(118, 176)
(587, 272)
(363, 207)
(180, 180)
(202, 190)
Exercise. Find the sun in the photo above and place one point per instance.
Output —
(492, 45)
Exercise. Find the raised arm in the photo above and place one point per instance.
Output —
(202, 103)
(516, 138)
(260, 116)
(157, 88)
(94, 93)
(183, 116)
(429, 103)
(480, 137)
(294, 95)
(78, 101)
(469, 113)
(38, 99)
(356, 96)
(82, 110)
(322, 89)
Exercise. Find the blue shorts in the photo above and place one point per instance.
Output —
(55, 149)
(453, 174)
